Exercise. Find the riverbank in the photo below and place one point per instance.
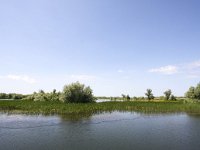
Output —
(69, 108)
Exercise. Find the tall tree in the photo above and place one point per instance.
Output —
(167, 94)
(149, 94)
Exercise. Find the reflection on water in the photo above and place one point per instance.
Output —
(116, 130)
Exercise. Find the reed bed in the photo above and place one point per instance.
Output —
(73, 108)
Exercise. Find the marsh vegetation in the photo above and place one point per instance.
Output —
(74, 108)
(78, 98)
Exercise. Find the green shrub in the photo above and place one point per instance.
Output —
(77, 93)
(193, 92)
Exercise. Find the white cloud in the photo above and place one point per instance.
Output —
(168, 70)
(190, 70)
(195, 64)
(24, 78)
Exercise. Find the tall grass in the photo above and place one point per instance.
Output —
(70, 108)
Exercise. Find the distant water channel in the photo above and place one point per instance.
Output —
(105, 131)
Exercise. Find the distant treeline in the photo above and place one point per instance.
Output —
(77, 92)
(12, 96)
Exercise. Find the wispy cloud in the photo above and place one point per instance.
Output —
(191, 70)
(169, 70)
(195, 64)
(23, 78)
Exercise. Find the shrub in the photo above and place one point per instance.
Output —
(77, 93)
(193, 92)
(42, 96)
(53, 96)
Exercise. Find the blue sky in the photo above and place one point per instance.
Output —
(115, 46)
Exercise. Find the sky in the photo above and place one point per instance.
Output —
(113, 46)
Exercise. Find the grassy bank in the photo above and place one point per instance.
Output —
(62, 108)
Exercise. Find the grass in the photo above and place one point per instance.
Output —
(62, 108)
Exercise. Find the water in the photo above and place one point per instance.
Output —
(107, 131)
(108, 100)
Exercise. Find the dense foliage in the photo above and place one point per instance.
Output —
(193, 92)
(77, 93)
(11, 96)
(42, 96)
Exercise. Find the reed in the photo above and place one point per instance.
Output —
(72, 108)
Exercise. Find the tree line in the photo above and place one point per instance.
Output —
(14, 96)
(77, 92)
(72, 93)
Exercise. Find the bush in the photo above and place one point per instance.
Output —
(77, 93)
(42, 96)
(193, 92)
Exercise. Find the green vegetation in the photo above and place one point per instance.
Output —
(11, 96)
(42, 96)
(173, 98)
(149, 94)
(78, 98)
(167, 94)
(72, 93)
(75, 108)
(193, 92)
(125, 97)
(77, 93)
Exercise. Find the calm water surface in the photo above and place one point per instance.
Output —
(106, 131)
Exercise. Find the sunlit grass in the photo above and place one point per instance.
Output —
(70, 108)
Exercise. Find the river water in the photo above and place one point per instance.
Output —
(105, 131)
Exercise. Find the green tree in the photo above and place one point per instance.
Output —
(77, 93)
(197, 92)
(149, 94)
(167, 94)
(173, 98)
(193, 92)
(123, 96)
(3, 96)
(128, 98)
(190, 93)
